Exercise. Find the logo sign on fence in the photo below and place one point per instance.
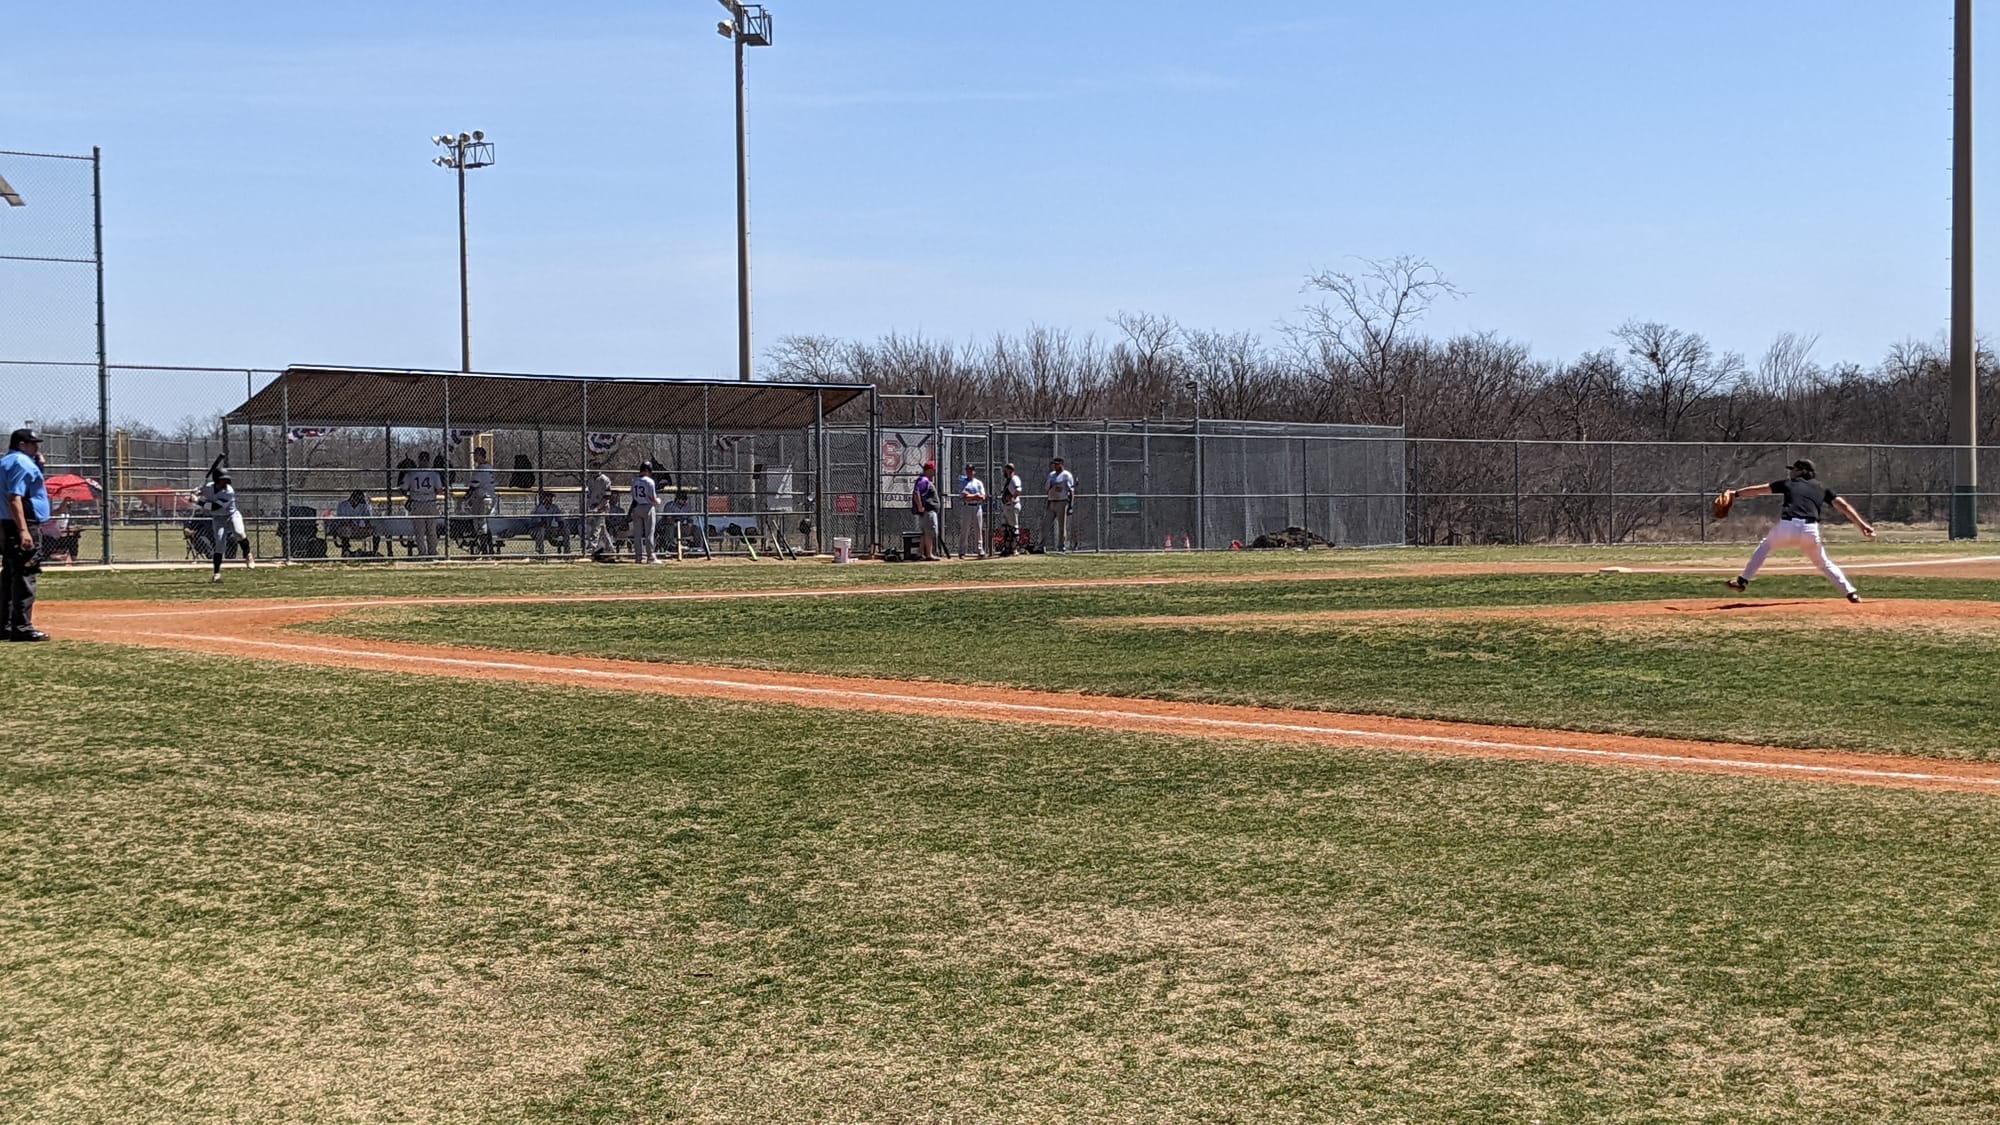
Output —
(903, 455)
(846, 504)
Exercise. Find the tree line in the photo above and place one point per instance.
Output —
(1357, 354)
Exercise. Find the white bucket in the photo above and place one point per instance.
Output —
(843, 549)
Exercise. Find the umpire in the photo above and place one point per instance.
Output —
(27, 507)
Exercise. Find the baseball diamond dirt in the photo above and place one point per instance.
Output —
(259, 629)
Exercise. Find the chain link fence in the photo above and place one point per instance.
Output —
(1177, 485)
(339, 492)
(1548, 492)
(52, 308)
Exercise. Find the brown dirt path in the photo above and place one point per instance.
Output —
(257, 631)
(1830, 611)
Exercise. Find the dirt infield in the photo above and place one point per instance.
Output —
(257, 630)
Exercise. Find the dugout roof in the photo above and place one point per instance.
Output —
(360, 396)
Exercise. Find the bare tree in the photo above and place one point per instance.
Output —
(1675, 374)
(1363, 318)
(810, 359)
(1148, 366)
(1234, 374)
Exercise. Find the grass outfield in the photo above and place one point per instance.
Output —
(258, 892)
(523, 577)
(1907, 687)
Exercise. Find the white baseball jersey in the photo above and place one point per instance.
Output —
(645, 494)
(482, 480)
(422, 486)
(1062, 485)
(218, 501)
(597, 493)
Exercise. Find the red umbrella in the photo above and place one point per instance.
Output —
(69, 486)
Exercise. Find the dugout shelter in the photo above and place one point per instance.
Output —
(751, 459)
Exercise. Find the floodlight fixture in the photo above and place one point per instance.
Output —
(8, 193)
(725, 29)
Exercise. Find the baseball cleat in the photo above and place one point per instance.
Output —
(1737, 584)
(214, 578)
(1855, 597)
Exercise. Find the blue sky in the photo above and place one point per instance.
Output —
(1738, 169)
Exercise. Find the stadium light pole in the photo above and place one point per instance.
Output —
(748, 25)
(463, 151)
(1963, 432)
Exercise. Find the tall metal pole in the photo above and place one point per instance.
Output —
(1200, 484)
(105, 500)
(1964, 429)
(742, 220)
(464, 273)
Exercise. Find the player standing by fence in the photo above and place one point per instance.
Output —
(645, 521)
(420, 499)
(923, 505)
(481, 498)
(597, 515)
(972, 513)
(1010, 510)
(1062, 498)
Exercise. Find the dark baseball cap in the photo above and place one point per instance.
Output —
(1803, 465)
(24, 434)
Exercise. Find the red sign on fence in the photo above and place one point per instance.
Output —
(846, 504)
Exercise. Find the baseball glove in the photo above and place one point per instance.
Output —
(1719, 507)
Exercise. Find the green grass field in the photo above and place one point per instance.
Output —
(1905, 690)
(521, 577)
(252, 891)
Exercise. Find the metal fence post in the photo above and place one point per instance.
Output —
(444, 470)
(1103, 481)
(1701, 475)
(1200, 488)
(1517, 492)
(583, 473)
(1871, 478)
(706, 441)
(388, 478)
(1305, 486)
(818, 540)
(1610, 495)
(107, 500)
(873, 464)
(284, 469)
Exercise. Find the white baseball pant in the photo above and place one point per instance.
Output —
(645, 534)
(1803, 534)
(972, 528)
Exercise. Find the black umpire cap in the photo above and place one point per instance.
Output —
(22, 436)
(1804, 466)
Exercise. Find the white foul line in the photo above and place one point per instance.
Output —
(1002, 709)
